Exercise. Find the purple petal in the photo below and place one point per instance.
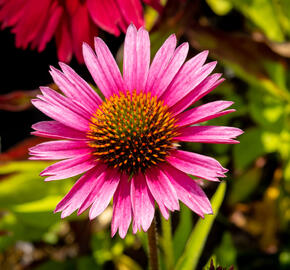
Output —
(106, 189)
(203, 113)
(161, 189)
(56, 130)
(188, 191)
(142, 203)
(122, 209)
(197, 165)
(209, 134)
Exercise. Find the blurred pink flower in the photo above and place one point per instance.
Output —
(126, 145)
(72, 22)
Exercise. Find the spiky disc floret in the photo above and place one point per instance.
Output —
(132, 132)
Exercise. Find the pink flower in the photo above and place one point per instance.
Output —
(126, 145)
(72, 22)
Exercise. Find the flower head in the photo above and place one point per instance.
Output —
(126, 146)
(72, 22)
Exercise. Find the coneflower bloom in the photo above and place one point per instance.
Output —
(126, 145)
(72, 22)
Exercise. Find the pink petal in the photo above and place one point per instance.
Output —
(62, 114)
(107, 188)
(54, 98)
(79, 192)
(106, 84)
(204, 113)
(171, 70)
(69, 167)
(59, 150)
(130, 58)
(83, 93)
(160, 62)
(197, 165)
(56, 130)
(164, 211)
(109, 66)
(136, 58)
(188, 191)
(142, 203)
(187, 79)
(206, 86)
(209, 134)
(122, 209)
(161, 189)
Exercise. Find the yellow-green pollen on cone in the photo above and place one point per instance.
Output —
(132, 132)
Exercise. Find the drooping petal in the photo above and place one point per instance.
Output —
(142, 203)
(63, 40)
(69, 167)
(59, 150)
(209, 134)
(105, 14)
(196, 164)
(204, 113)
(122, 208)
(161, 189)
(56, 130)
(132, 11)
(188, 191)
(107, 188)
(79, 192)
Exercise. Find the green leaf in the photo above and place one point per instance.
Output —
(266, 110)
(249, 148)
(263, 14)
(220, 7)
(182, 232)
(199, 235)
(226, 253)
(243, 186)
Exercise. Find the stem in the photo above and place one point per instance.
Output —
(167, 243)
(152, 244)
